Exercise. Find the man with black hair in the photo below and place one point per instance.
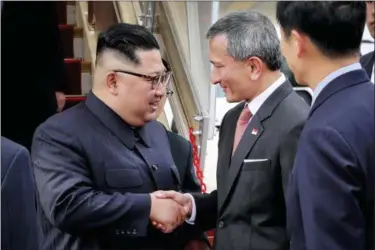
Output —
(368, 60)
(330, 203)
(98, 164)
(182, 153)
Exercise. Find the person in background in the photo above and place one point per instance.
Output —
(257, 141)
(20, 228)
(182, 154)
(368, 60)
(330, 203)
(32, 68)
(98, 164)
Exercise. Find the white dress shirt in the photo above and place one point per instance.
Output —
(254, 105)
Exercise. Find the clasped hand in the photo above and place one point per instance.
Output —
(169, 209)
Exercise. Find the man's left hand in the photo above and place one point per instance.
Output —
(197, 245)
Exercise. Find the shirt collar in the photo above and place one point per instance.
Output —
(257, 102)
(331, 77)
(126, 133)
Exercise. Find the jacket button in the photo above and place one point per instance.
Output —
(221, 224)
(154, 167)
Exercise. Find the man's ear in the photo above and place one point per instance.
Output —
(298, 40)
(111, 83)
(255, 67)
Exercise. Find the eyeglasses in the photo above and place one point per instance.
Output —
(169, 92)
(156, 81)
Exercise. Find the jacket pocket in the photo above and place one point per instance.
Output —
(123, 178)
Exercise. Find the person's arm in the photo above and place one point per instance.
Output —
(329, 181)
(18, 204)
(206, 210)
(287, 154)
(68, 196)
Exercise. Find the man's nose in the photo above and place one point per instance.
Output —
(160, 90)
(215, 79)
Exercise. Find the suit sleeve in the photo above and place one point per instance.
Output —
(328, 182)
(18, 205)
(206, 207)
(68, 195)
(287, 155)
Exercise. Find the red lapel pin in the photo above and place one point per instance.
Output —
(254, 131)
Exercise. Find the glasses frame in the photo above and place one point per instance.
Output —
(156, 81)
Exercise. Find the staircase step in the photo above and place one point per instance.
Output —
(210, 235)
(67, 35)
(78, 76)
(72, 41)
(72, 100)
(73, 70)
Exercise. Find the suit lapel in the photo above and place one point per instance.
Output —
(226, 145)
(252, 133)
(111, 120)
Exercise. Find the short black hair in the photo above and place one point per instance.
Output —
(166, 65)
(336, 28)
(127, 39)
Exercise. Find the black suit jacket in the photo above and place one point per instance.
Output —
(34, 67)
(367, 62)
(181, 150)
(248, 208)
(331, 192)
(94, 174)
(19, 225)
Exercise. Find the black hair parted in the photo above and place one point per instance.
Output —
(335, 27)
(126, 39)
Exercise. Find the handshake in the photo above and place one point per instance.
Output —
(169, 209)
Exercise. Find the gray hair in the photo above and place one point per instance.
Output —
(249, 34)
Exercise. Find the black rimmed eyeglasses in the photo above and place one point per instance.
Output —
(156, 81)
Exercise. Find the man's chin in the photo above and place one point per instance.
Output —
(150, 116)
(232, 99)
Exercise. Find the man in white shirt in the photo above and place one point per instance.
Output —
(368, 60)
(258, 137)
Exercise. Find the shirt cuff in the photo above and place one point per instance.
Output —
(191, 220)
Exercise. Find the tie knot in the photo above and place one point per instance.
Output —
(245, 115)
